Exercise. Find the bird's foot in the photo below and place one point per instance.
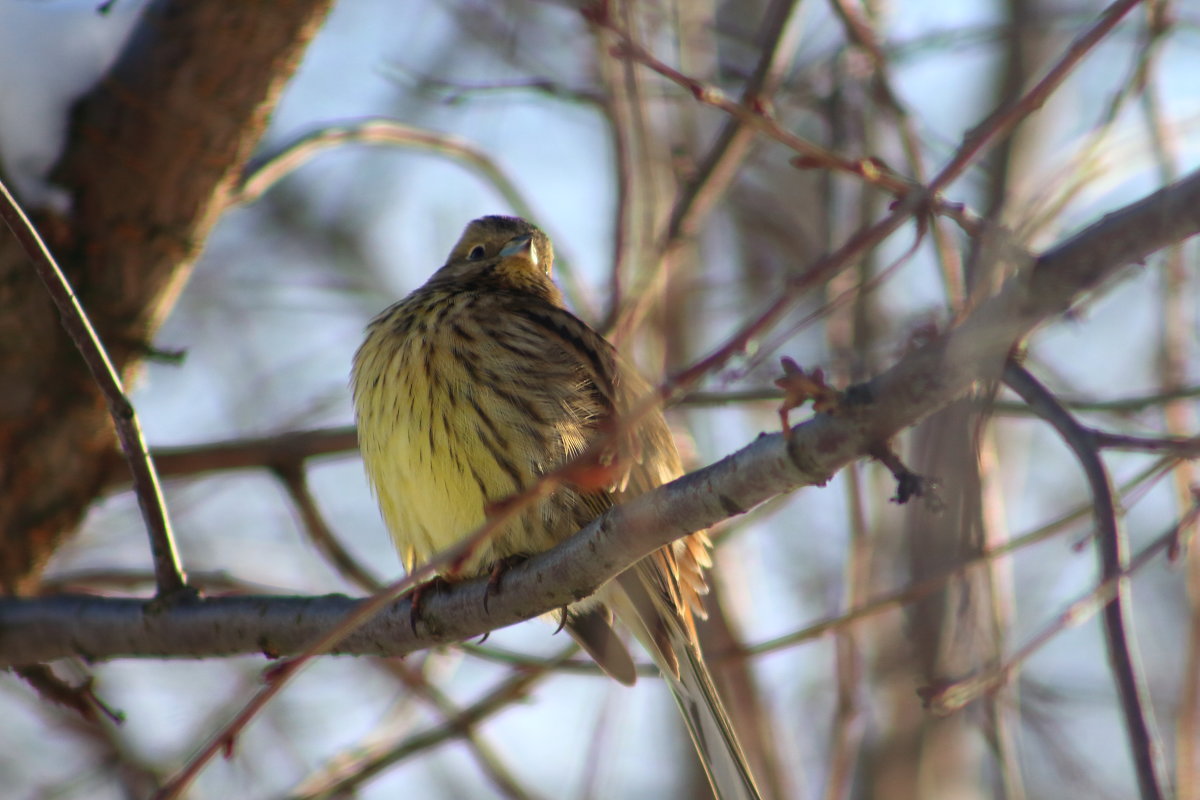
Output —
(497, 575)
(417, 597)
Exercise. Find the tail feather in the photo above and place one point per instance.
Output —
(592, 630)
(711, 731)
(635, 598)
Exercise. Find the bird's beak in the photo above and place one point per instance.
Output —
(520, 246)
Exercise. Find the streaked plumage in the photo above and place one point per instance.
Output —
(481, 381)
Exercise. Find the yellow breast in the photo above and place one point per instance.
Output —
(438, 444)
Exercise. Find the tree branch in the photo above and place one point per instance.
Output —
(1113, 545)
(153, 154)
(168, 573)
(924, 380)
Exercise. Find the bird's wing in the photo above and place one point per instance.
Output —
(657, 597)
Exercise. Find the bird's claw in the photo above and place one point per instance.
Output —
(562, 620)
(417, 595)
(497, 575)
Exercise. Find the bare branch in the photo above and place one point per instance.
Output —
(39, 630)
(343, 777)
(168, 574)
(295, 482)
(953, 696)
(1114, 555)
(267, 170)
(151, 154)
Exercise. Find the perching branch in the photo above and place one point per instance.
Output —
(926, 379)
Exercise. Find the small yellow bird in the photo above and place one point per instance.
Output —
(479, 383)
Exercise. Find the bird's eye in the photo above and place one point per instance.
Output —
(477, 252)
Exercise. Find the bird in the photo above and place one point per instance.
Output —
(481, 382)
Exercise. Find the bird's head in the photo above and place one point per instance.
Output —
(506, 251)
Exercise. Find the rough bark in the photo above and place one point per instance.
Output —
(153, 153)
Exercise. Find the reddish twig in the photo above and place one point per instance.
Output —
(913, 199)
(757, 118)
(1004, 118)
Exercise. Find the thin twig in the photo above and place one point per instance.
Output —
(169, 576)
(1129, 404)
(345, 777)
(580, 666)
(1185, 447)
(912, 593)
(80, 699)
(702, 398)
(505, 782)
(912, 202)
(295, 482)
(757, 118)
(105, 580)
(616, 113)
(951, 697)
(445, 562)
(860, 33)
(264, 172)
(1004, 118)
(108, 749)
(1114, 553)
(454, 92)
(252, 453)
(719, 167)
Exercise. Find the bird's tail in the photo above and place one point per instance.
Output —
(638, 600)
(710, 729)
